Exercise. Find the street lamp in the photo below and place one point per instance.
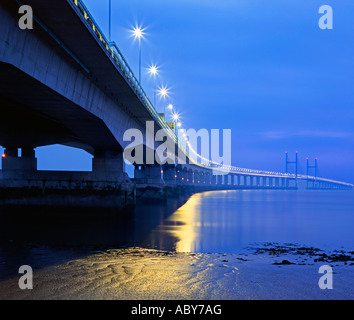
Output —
(109, 20)
(163, 92)
(153, 70)
(138, 33)
(175, 117)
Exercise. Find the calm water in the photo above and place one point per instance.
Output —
(229, 221)
(223, 222)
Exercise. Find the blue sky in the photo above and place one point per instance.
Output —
(263, 69)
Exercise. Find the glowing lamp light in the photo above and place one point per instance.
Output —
(153, 70)
(138, 32)
(3, 155)
(163, 92)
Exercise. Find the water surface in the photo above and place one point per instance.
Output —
(229, 221)
(216, 222)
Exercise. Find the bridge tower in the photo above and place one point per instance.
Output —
(308, 167)
(287, 162)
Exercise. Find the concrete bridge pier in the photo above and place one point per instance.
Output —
(169, 174)
(148, 174)
(190, 177)
(236, 180)
(276, 182)
(257, 181)
(207, 178)
(108, 162)
(107, 186)
(233, 179)
(201, 180)
(219, 179)
(12, 162)
(149, 182)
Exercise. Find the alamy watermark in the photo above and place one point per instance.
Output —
(26, 20)
(326, 281)
(158, 146)
(25, 281)
(326, 20)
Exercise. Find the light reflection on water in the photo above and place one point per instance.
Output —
(216, 222)
(229, 221)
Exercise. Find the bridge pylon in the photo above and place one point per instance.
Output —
(308, 167)
(287, 162)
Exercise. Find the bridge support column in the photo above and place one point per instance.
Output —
(108, 161)
(190, 177)
(207, 178)
(196, 177)
(184, 176)
(169, 174)
(202, 177)
(276, 182)
(230, 179)
(179, 174)
(219, 179)
(150, 174)
(264, 180)
(214, 179)
(237, 180)
(226, 180)
(12, 162)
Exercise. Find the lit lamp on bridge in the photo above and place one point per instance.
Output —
(163, 92)
(175, 118)
(153, 70)
(138, 33)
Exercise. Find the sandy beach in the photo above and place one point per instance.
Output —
(272, 272)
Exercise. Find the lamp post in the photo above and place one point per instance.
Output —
(175, 117)
(163, 92)
(138, 33)
(154, 71)
(109, 20)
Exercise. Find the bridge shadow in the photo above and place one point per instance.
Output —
(41, 237)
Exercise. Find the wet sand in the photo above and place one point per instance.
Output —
(270, 272)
